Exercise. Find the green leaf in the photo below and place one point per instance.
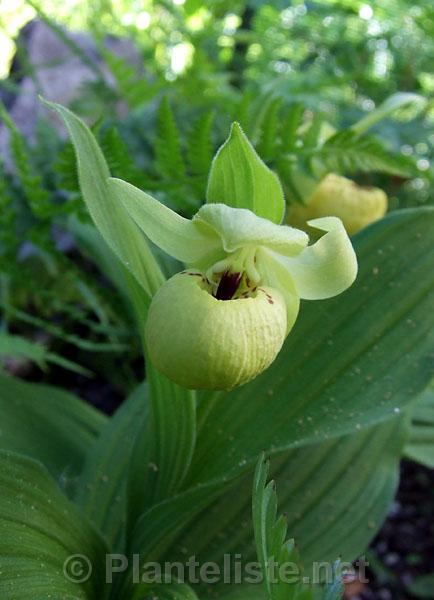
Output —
(335, 494)
(270, 535)
(243, 109)
(164, 448)
(345, 152)
(240, 179)
(41, 535)
(420, 446)
(101, 488)
(169, 159)
(65, 168)
(312, 135)
(172, 437)
(48, 424)
(299, 186)
(55, 330)
(108, 214)
(164, 591)
(157, 527)
(422, 586)
(247, 592)
(340, 491)
(387, 108)
(349, 362)
(16, 346)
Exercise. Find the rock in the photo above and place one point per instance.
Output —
(57, 73)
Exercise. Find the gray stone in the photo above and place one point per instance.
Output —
(59, 75)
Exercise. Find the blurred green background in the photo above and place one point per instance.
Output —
(340, 59)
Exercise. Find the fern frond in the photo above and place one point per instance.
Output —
(119, 159)
(8, 238)
(117, 154)
(311, 138)
(345, 152)
(268, 136)
(134, 88)
(168, 152)
(37, 197)
(65, 168)
(290, 125)
(243, 112)
(258, 111)
(200, 146)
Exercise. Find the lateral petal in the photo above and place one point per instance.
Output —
(327, 267)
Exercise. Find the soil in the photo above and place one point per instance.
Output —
(404, 548)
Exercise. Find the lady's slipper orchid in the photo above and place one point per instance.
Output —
(224, 320)
(355, 205)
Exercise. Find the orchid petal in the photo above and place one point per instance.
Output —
(327, 267)
(275, 275)
(239, 227)
(179, 237)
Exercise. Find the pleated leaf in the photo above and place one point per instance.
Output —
(41, 535)
(420, 446)
(164, 591)
(248, 592)
(101, 488)
(159, 525)
(49, 424)
(172, 437)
